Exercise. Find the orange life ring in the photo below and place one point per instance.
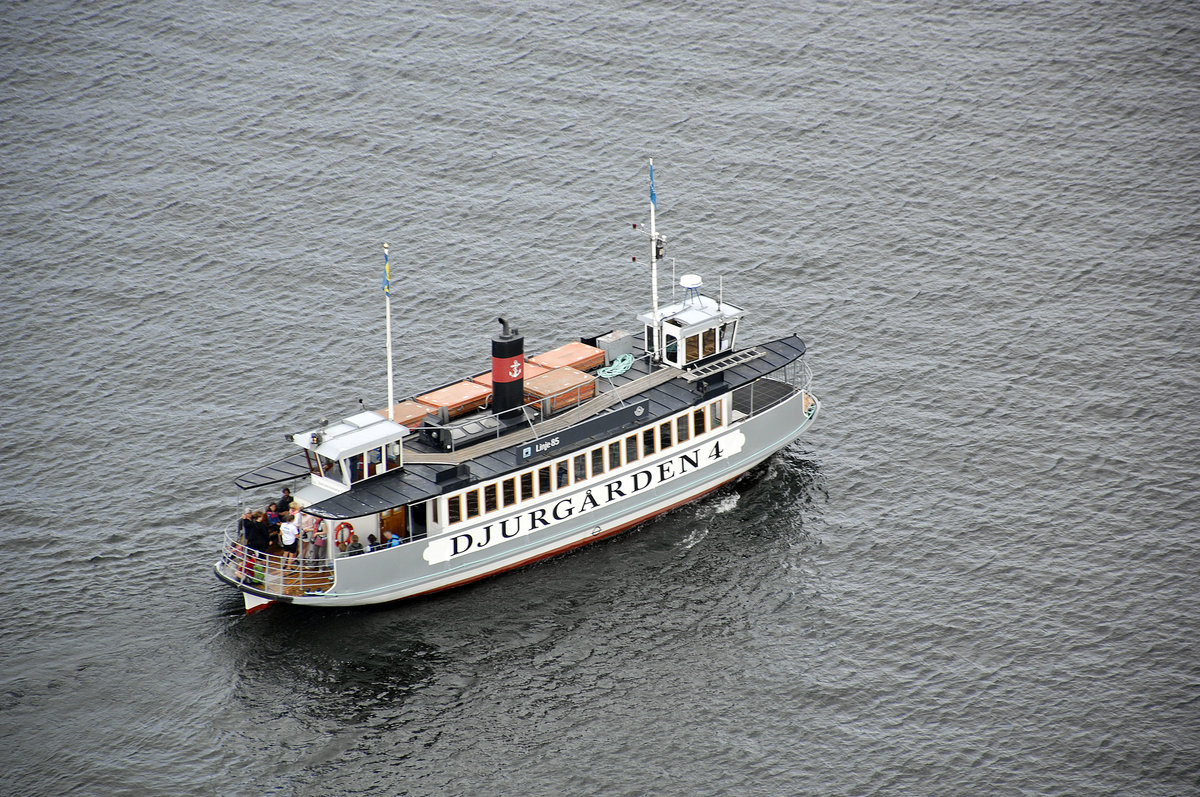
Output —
(341, 534)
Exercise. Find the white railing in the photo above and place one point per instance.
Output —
(273, 573)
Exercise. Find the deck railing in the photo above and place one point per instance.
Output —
(273, 573)
(763, 394)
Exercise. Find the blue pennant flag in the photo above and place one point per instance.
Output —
(387, 275)
(653, 198)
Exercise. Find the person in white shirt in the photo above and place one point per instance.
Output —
(289, 534)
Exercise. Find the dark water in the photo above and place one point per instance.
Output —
(977, 575)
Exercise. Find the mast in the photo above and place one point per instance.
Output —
(387, 304)
(654, 249)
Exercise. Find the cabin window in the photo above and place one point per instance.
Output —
(564, 475)
(509, 490)
(693, 348)
(716, 414)
(489, 498)
(527, 485)
(453, 509)
(648, 441)
(580, 467)
(614, 455)
(664, 436)
(597, 461)
(698, 420)
(544, 483)
(473, 503)
(681, 428)
(631, 448)
(710, 342)
(374, 461)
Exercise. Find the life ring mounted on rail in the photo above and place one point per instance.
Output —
(341, 534)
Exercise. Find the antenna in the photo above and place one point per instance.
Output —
(387, 304)
(655, 253)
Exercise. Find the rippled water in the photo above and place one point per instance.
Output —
(976, 575)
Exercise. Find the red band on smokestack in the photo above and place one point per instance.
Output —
(508, 369)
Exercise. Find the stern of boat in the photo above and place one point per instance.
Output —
(264, 578)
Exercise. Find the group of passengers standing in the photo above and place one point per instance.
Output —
(283, 527)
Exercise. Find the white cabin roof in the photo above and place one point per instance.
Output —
(699, 312)
(351, 436)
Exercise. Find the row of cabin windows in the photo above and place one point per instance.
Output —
(589, 464)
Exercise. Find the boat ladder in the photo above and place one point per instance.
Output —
(716, 366)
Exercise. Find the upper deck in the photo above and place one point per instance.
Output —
(643, 394)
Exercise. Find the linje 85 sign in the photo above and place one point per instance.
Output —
(600, 425)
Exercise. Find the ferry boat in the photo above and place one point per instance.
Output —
(532, 458)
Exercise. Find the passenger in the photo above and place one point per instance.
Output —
(285, 500)
(257, 543)
(320, 543)
(308, 530)
(372, 543)
(246, 518)
(355, 547)
(273, 518)
(289, 535)
(390, 540)
(256, 533)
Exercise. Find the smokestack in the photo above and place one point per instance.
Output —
(508, 371)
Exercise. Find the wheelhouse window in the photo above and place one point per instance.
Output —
(671, 346)
(322, 466)
(728, 332)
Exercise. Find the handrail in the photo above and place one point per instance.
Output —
(272, 573)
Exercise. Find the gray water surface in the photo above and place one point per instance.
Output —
(977, 574)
